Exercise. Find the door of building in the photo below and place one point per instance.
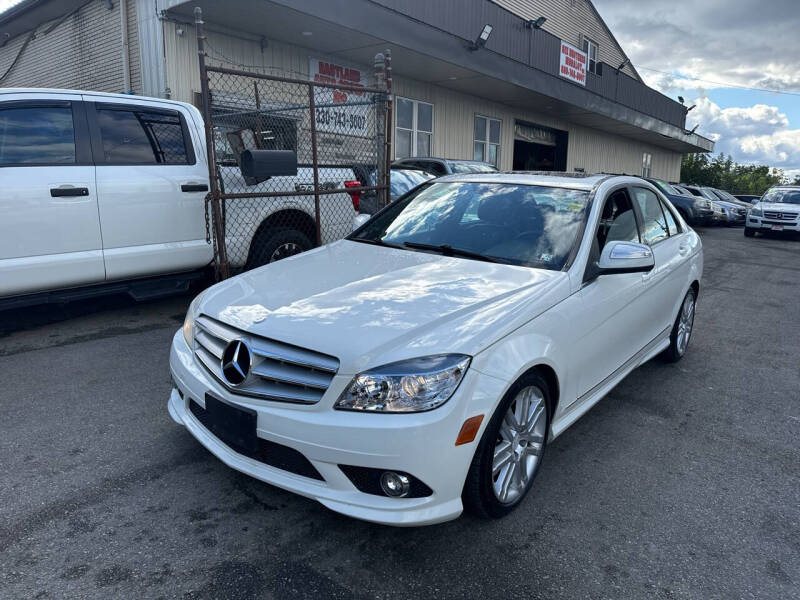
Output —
(539, 148)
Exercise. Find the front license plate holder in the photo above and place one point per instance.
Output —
(777, 228)
(234, 425)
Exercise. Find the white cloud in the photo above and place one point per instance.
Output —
(756, 134)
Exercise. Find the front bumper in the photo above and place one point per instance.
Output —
(765, 224)
(421, 444)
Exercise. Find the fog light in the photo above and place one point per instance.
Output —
(395, 485)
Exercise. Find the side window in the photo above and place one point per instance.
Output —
(618, 221)
(142, 137)
(436, 168)
(672, 224)
(654, 224)
(34, 135)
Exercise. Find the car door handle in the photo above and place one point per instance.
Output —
(66, 191)
(194, 187)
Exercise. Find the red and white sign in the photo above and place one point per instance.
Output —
(573, 63)
(342, 111)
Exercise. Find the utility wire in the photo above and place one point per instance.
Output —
(723, 83)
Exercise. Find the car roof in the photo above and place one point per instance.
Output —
(577, 181)
(440, 159)
(56, 92)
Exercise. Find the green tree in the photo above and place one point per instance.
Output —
(722, 172)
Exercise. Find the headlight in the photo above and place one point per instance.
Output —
(756, 212)
(703, 203)
(188, 322)
(412, 385)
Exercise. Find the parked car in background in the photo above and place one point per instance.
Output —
(106, 193)
(424, 363)
(777, 210)
(444, 166)
(694, 210)
(749, 198)
(733, 213)
(728, 197)
(401, 181)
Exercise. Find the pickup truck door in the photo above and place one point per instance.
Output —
(49, 227)
(152, 180)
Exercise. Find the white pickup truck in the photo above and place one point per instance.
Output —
(104, 192)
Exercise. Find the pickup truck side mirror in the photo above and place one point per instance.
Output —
(260, 165)
(625, 257)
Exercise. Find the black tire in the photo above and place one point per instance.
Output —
(674, 352)
(478, 495)
(276, 243)
(749, 232)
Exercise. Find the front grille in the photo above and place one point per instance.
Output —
(270, 453)
(780, 216)
(278, 371)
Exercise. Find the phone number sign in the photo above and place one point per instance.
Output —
(339, 110)
(573, 63)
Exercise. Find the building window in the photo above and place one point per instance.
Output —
(590, 48)
(414, 128)
(647, 163)
(486, 146)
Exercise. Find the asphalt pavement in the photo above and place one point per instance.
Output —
(683, 483)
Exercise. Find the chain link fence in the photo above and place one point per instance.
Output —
(338, 129)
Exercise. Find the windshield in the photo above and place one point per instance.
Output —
(528, 225)
(667, 188)
(470, 167)
(401, 180)
(785, 196)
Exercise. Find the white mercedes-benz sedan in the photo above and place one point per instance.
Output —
(424, 363)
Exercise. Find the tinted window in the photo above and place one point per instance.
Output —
(142, 137)
(37, 135)
(654, 225)
(672, 225)
(618, 222)
(470, 167)
(517, 224)
(785, 196)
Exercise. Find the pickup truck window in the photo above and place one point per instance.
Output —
(37, 135)
(141, 137)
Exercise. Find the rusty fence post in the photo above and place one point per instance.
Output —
(314, 165)
(214, 194)
(381, 178)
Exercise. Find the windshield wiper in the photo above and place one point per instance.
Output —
(374, 242)
(448, 250)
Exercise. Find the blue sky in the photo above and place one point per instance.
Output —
(681, 47)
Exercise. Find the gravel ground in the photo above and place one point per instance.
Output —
(682, 483)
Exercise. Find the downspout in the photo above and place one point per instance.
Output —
(123, 25)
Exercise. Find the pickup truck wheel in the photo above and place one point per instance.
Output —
(510, 452)
(276, 243)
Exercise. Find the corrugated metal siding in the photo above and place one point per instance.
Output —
(568, 19)
(134, 55)
(81, 52)
(453, 116)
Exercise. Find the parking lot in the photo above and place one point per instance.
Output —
(682, 483)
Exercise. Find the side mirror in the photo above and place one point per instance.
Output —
(359, 220)
(625, 257)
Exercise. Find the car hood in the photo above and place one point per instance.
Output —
(370, 305)
(779, 207)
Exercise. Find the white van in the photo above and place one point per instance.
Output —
(100, 188)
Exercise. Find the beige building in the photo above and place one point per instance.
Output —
(506, 101)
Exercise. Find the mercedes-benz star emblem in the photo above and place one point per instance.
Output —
(236, 362)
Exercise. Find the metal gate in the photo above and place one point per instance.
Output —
(340, 131)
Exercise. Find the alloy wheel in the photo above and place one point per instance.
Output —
(685, 324)
(519, 445)
(285, 250)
